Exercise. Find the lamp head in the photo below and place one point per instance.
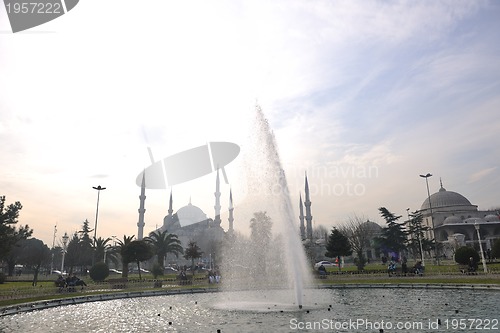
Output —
(426, 176)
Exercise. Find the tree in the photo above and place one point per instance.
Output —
(137, 251)
(261, 236)
(164, 243)
(9, 235)
(73, 253)
(34, 254)
(192, 252)
(360, 234)
(102, 249)
(320, 232)
(338, 245)
(12, 258)
(86, 247)
(463, 254)
(415, 231)
(495, 250)
(121, 248)
(393, 236)
(80, 250)
(261, 226)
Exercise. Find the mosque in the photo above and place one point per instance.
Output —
(450, 216)
(456, 223)
(190, 223)
(456, 219)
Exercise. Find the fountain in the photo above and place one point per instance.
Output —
(255, 301)
(284, 264)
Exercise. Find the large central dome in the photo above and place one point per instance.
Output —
(190, 214)
(444, 198)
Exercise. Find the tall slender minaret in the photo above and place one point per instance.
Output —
(217, 207)
(231, 208)
(142, 210)
(309, 217)
(301, 217)
(170, 204)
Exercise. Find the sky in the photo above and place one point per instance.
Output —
(364, 96)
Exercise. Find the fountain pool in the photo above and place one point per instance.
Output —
(325, 310)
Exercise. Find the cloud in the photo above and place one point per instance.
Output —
(481, 174)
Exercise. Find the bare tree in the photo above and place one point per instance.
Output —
(360, 233)
(320, 232)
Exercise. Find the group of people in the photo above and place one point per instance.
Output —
(70, 283)
(417, 269)
(213, 277)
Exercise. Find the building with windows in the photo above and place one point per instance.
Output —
(455, 218)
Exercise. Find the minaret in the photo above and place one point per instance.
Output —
(141, 209)
(309, 217)
(167, 220)
(170, 204)
(301, 217)
(231, 208)
(217, 207)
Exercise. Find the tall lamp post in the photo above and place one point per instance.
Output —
(485, 268)
(432, 219)
(65, 248)
(52, 250)
(99, 189)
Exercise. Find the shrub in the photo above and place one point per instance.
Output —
(99, 271)
(463, 254)
(157, 270)
(2, 278)
(495, 250)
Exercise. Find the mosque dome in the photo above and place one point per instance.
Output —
(474, 220)
(444, 198)
(190, 214)
(452, 220)
(372, 226)
(491, 218)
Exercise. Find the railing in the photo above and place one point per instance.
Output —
(48, 288)
(451, 272)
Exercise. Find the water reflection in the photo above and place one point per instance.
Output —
(266, 311)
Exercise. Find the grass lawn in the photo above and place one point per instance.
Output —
(45, 290)
(445, 267)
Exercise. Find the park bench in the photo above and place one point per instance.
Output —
(120, 283)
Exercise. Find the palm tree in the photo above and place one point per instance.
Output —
(121, 248)
(192, 252)
(100, 247)
(137, 251)
(164, 243)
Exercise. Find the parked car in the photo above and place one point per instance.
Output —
(134, 270)
(170, 270)
(325, 264)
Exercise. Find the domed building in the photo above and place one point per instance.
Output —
(190, 223)
(454, 219)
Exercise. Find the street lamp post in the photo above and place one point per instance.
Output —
(52, 250)
(485, 268)
(99, 189)
(65, 244)
(432, 219)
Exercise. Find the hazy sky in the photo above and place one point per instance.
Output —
(363, 95)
